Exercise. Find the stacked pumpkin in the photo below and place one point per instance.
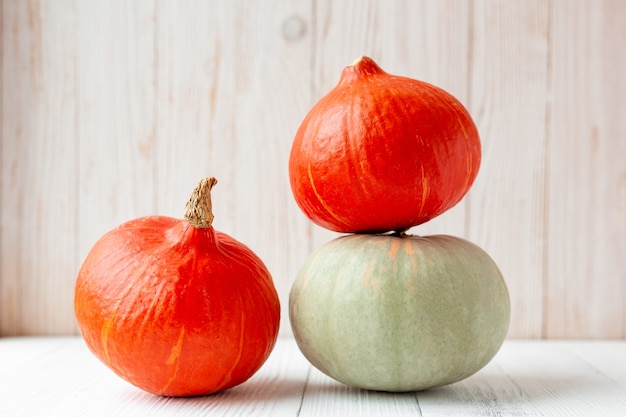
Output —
(378, 308)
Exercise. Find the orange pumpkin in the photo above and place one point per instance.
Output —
(382, 152)
(176, 307)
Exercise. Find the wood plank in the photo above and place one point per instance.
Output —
(38, 166)
(59, 376)
(109, 112)
(506, 214)
(194, 104)
(116, 117)
(74, 383)
(600, 357)
(586, 287)
(21, 352)
(534, 379)
(326, 397)
(233, 84)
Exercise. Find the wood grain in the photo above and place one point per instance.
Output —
(75, 383)
(509, 102)
(326, 397)
(114, 112)
(38, 217)
(115, 115)
(556, 380)
(59, 376)
(585, 262)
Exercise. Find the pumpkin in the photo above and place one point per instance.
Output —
(399, 313)
(176, 307)
(381, 152)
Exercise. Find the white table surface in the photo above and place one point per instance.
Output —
(60, 377)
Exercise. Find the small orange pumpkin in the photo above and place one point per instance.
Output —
(176, 307)
(382, 152)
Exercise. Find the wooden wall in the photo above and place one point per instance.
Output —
(113, 110)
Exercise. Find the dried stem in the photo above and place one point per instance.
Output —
(198, 211)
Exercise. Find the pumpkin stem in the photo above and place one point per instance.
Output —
(362, 67)
(199, 209)
(400, 232)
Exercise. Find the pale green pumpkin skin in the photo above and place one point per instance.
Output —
(399, 314)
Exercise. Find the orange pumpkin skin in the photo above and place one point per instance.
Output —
(381, 152)
(176, 310)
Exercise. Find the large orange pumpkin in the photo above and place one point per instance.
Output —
(381, 152)
(176, 307)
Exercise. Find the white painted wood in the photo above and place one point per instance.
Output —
(60, 377)
(509, 102)
(326, 397)
(585, 258)
(538, 379)
(113, 111)
(196, 84)
(38, 155)
(115, 116)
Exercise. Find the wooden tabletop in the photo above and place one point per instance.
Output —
(60, 377)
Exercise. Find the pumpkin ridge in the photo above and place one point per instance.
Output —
(104, 337)
(229, 375)
(321, 199)
(174, 359)
(111, 320)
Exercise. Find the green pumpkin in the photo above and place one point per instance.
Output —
(399, 313)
